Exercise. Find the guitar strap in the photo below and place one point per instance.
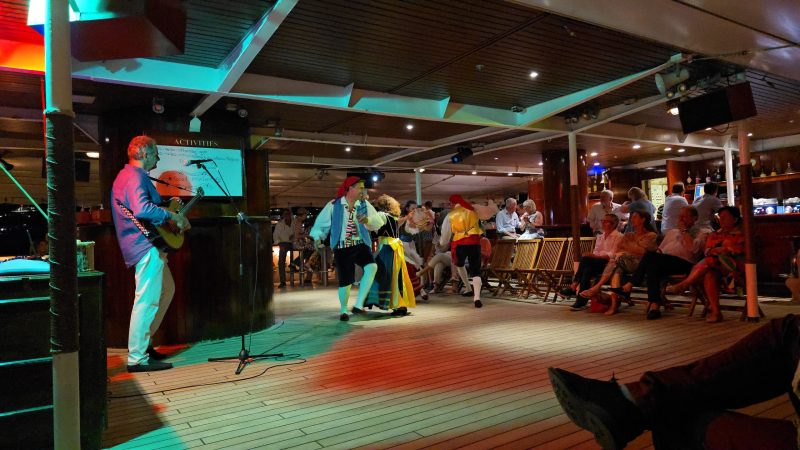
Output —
(129, 214)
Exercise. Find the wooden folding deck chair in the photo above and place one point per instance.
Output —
(502, 255)
(525, 254)
(549, 257)
(563, 276)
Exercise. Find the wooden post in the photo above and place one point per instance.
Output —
(746, 201)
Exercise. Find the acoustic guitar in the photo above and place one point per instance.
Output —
(167, 236)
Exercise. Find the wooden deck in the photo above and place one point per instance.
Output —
(448, 376)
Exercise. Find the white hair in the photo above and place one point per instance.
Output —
(511, 201)
(608, 192)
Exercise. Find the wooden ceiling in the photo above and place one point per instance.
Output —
(471, 52)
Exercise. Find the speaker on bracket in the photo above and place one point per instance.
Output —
(725, 105)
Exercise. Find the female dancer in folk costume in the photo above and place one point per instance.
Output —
(348, 219)
(392, 288)
(462, 224)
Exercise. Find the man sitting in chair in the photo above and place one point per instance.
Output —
(677, 254)
(592, 264)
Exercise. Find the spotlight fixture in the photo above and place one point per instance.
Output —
(674, 111)
(665, 81)
(409, 126)
(636, 146)
(6, 165)
(421, 169)
(278, 132)
(462, 153)
(158, 105)
(242, 113)
(518, 109)
(377, 176)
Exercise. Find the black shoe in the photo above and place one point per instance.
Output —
(151, 366)
(467, 294)
(599, 407)
(580, 304)
(357, 311)
(478, 304)
(344, 317)
(567, 292)
(653, 314)
(282, 285)
(401, 311)
(155, 354)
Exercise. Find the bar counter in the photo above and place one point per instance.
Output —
(212, 300)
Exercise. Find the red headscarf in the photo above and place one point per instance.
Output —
(459, 200)
(349, 181)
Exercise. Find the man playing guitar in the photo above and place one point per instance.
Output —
(134, 199)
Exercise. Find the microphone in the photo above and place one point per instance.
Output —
(197, 161)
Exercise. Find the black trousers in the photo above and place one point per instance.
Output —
(588, 268)
(689, 404)
(656, 267)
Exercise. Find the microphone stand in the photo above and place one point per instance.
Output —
(244, 356)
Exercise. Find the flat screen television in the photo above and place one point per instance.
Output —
(223, 159)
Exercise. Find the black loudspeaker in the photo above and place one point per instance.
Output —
(366, 176)
(716, 108)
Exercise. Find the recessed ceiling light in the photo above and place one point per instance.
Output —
(533, 74)
(496, 158)
(593, 154)
(510, 173)
(681, 150)
(636, 146)
(667, 149)
(107, 140)
(422, 169)
(93, 155)
(749, 134)
(597, 164)
(674, 111)
(708, 129)
(474, 172)
(409, 126)
(348, 148)
(541, 163)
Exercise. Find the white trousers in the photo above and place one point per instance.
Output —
(154, 290)
(439, 262)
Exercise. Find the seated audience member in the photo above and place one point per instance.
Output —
(707, 206)
(724, 259)
(691, 406)
(592, 264)
(638, 202)
(598, 211)
(531, 219)
(630, 250)
(442, 259)
(673, 205)
(680, 249)
(660, 209)
(507, 220)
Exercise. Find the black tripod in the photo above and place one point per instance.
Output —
(244, 356)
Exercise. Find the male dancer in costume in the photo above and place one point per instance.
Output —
(134, 198)
(462, 223)
(348, 218)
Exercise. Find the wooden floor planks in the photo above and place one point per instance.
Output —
(448, 376)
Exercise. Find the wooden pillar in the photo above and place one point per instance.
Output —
(745, 176)
(575, 199)
(558, 207)
(536, 193)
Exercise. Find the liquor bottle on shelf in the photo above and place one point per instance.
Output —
(708, 176)
(689, 177)
(774, 172)
(789, 168)
(697, 179)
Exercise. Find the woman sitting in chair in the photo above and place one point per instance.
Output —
(630, 250)
(723, 263)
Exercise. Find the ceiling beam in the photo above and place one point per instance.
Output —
(243, 54)
(355, 140)
(656, 136)
(439, 143)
